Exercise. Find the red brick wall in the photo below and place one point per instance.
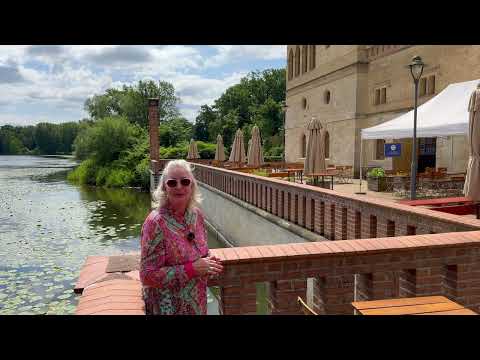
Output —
(434, 264)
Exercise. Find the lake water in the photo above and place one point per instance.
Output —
(49, 226)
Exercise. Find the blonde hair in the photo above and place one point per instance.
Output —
(160, 194)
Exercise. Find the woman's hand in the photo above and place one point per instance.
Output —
(208, 266)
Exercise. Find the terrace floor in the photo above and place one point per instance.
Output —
(355, 187)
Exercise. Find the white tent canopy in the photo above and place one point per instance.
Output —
(444, 115)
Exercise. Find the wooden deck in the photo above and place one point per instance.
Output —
(110, 285)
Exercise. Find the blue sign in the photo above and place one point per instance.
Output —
(393, 150)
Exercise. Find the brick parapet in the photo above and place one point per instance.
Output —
(296, 200)
(405, 266)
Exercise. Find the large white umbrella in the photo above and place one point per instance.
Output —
(219, 149)
(472, 180)
(192, 151)
(237, 154)
(255, 154)
(315, 159)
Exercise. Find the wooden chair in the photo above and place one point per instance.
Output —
(307, 310)
(345, 174)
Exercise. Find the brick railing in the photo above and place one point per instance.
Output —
(367, 269)
(336, 216)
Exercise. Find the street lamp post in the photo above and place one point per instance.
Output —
(416, 69)
(284, 108)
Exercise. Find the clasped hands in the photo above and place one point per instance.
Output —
(208, 266)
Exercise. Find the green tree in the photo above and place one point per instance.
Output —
(205, 117)
(47, 137)
(68, 133)
(10, 144)
(132, 102)
(28, 137)
(107, 140)
(255, 100)
(175, 131)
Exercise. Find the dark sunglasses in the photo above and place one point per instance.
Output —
(173, 182)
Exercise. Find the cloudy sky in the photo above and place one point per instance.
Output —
(51, 82)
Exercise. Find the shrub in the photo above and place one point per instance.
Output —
(119, 178)
(274, 151)
(175, 152)
(85, 173)
(376, 173)
(142, 174)
(206, 150)
(101, 176)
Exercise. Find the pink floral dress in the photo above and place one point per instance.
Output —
(170, 285)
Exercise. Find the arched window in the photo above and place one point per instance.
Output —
(304, 103)
(326, 97)
(297, 61)
(304, 59)
(304, 145)
(290, 65)
(312, 57)
(327, 145)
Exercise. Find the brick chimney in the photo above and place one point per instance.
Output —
(153, 131)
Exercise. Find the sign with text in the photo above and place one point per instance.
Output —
(393, 150)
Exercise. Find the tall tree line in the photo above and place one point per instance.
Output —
(256, 100)
(43, 138)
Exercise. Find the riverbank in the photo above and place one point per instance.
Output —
(70, 157)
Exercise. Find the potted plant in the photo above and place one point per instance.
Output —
(376, 180)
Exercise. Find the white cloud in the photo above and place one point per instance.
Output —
(12, 53)
(189, 113)
(58, 79)
(197, 90)
(16, 119)
(230, 53)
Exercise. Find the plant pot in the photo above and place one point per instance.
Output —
(377, 184)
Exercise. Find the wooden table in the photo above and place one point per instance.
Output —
(296, 173)
(323, 174)
(427, 305)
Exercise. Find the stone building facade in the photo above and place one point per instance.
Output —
(351, 87)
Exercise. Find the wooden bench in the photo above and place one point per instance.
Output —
(426, 305)
(278, 174)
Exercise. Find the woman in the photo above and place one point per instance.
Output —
(175, 260)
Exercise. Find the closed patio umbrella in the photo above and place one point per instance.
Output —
(255, 153)
(192, 151)
(315, 159)
(472, 180)
(219, 149)
(237, 154)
